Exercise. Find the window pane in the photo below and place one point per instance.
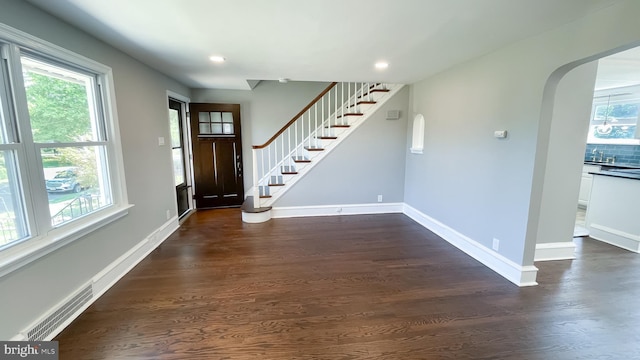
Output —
(227, 117)
(76, 180)
(205, 128)
(227, 128)
(216, 117)
(614, 118)
(178, 166)
(174, 126)
(216, 128)
(204, 117)
(61, 103)
(12, 218)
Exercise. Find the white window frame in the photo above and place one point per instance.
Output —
(46, 238)
(614, 96)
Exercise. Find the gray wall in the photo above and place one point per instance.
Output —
(368, 163)
(142, 111)
(567, 141)
(263, 110)
(484, 187)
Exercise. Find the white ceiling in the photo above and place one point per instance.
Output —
(621, 69)
(321, 40)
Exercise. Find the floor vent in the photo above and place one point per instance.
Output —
(46, 327)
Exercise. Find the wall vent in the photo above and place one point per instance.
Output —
(56, 318)
(393, 114)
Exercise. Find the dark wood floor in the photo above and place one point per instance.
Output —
(354, 287)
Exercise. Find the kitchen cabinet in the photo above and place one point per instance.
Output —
(585, 184)
(612, 215)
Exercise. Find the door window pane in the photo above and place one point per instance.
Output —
(216, 117)
(61, 103)
(178, 166)
(227, 117)
(174, 127)
(227, 129)
(204, 117)
(77, 181)
(205, 128)
(12, 215)
(216, 128)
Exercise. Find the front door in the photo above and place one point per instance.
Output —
(179, 156)
(217, 155)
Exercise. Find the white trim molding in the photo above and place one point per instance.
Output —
(555, 251)
(615, 237)
(517, 274)
(108, 276)
(333, 210)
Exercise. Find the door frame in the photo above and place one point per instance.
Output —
(187, 147)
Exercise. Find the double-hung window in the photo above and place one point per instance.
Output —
(60, 164)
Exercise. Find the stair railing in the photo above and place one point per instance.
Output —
(306, 130)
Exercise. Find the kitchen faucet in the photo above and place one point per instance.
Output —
(593, 157)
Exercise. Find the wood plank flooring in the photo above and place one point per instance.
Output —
(354, 287)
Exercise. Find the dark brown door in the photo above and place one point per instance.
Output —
(217, 155)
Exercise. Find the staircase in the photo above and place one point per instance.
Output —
(305, 140)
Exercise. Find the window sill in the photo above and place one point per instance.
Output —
(30, 250)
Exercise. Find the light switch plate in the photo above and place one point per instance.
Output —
(160, 141)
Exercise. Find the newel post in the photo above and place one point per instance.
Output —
(256, 188)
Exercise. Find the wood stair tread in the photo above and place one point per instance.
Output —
(289, 172)
(340, 126)
(276, 184)
(301, 160)
(247, 206)
(327, 137)
(313, 148)
(350, 114)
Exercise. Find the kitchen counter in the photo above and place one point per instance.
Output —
(633, 174)
(613, 165)
(612, 214)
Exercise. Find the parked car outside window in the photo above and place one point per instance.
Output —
(64, 181)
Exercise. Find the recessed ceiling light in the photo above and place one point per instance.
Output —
(382, 65)
(217, 59)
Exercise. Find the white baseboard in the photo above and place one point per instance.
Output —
(517, 274)
(615, 237)
(333, 210)
(555, 251)
(108, 276)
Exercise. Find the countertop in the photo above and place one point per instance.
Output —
(613, 165)
(621, 173)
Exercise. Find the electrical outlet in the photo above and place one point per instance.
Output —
(379, 198)
(168, 214)
(496, 244)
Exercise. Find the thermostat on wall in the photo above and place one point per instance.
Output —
(500, 134)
